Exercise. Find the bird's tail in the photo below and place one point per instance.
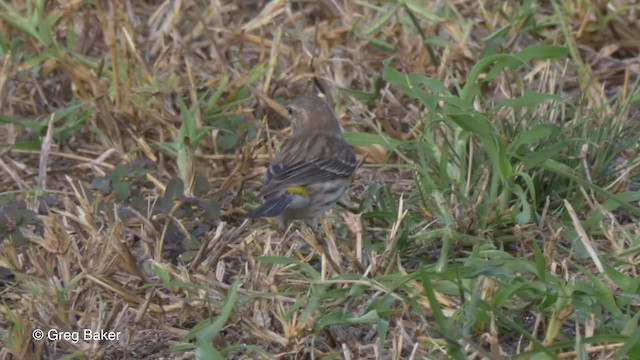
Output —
(272, 206)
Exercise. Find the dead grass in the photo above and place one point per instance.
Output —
(129, 63)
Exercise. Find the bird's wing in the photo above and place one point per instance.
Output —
(273, 206)
(282, 175)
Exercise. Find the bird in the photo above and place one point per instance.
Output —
(313, 169)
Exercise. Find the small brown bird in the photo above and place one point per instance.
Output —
(313, 169)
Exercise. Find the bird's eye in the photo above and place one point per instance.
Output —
(289, 110)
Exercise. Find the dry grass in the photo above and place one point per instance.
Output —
(130, 64)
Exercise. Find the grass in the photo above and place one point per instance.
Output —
(495, 214)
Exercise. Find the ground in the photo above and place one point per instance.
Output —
(494, 214)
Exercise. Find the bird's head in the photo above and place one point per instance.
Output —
(310, 114)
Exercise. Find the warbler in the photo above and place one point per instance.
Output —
(313, 169)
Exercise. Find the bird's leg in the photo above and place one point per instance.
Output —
(313, 224)
(330, 244)
(281, 224)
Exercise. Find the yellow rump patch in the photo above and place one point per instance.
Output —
(297, 190)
